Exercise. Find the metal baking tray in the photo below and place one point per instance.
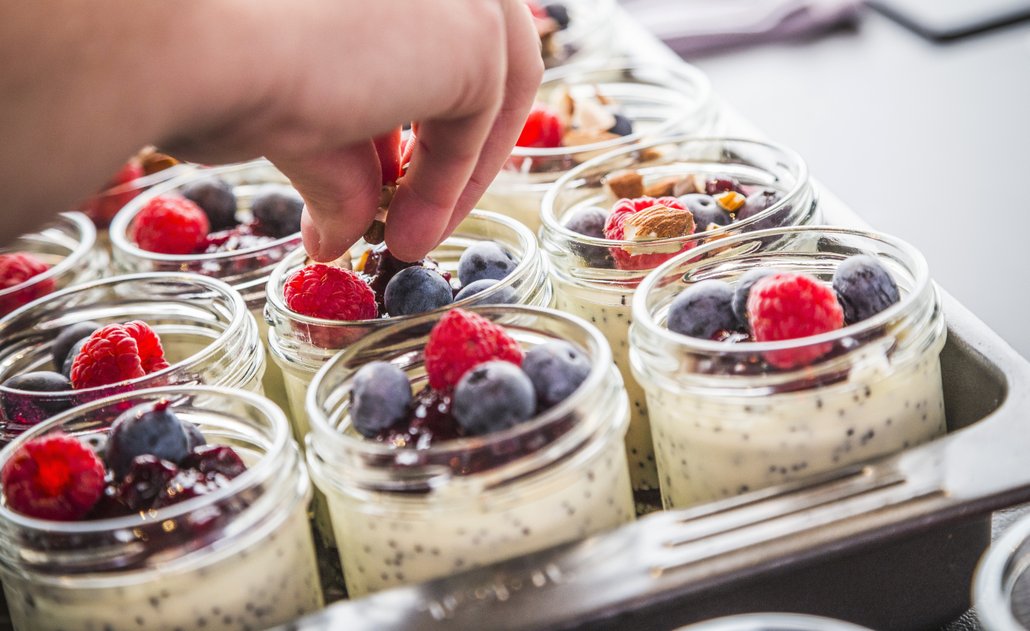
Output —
(889, 545)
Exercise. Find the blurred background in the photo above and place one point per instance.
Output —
(915, 112)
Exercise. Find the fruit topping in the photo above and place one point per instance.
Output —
(555, 369)
(332, 293)
(186, 485)
(147, 477)
(721, 184)
(212, 460)
(758, 202)
(216, 198)
(623, 126)
(543, 128)
(485, 259)
(706, 211)
(69, 361)
(791, 306)
(53, 477)
(504, 296)
(117, 352)
(380, 397)
(661, 223)
(416, 290)
(237, 238)
(277, 211)
(590, 222)
(170, 225)
(147, 429)
(18, 268)
(492, 397)
(864, 287)
(68, 338)
(460, 341)
(743, 290)
(703, 310)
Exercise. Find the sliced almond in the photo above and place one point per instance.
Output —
(591, 116)
(657, 222)
(626, 183)
(688, 185)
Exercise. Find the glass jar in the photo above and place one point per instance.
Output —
(246, 270)
(68, 246)
(589, 285)
(723, 425)
(774, 622)
(240, 557)
(206, 331)
(658, 99)
(302, 344)
(408, 515)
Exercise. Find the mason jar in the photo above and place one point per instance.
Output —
(724, 425)
(245, 270)
(208, 336)
(660, 100)
(239, 557)
(406, 515)
(590, 286)
(68, 246)
(302, 344)
(1001, 586)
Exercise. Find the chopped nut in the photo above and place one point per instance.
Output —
(649, 154)
(590, 116)
(661, 188)
(730, 201)
(657, 222)
(626, 183)
(689, 184)
(153, 160)
(601, 98)
(574, 137)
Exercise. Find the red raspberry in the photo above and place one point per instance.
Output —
(53, 477)
(388, 148)
(170, 225)
(408, 150)
(103, 206)
(536, 9)
(462, 340)
(613, 230)
(543, 128)
(792, 306)
(118, 352)
(16, 269)
(330, 293)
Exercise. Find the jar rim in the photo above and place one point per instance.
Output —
(599, 353)
(87, 238)
(264, 468)
(237, 322)
(551, 226)
(683, 71)
(277, 303)
(119, 229)
(991, 577)
(644, 318)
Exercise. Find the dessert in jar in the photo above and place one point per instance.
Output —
(60, 255)
(581, 113)
(162, 509)
(316, 310)
(609, 222)
(123, 333)
(234, 223)
(573, 30)
(495, 433)
(763, 366)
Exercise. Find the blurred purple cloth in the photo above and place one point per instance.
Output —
(693, 26)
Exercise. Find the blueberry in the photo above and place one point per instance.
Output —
(504, 296)
(705, 211)
(482, 260)
(193, 436)
(702, 310)
(278, 211)
(556, 369)
(149, 428)
(66, 367)
(622, 127)
(379, 398)
(416, 290)
(590, 222)
(67, 338)
(492, 397)
(758, 202)
(864, 287)
(216, 199)
(18, 407)
(146, 477)
(743, 290)
(559, 13)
